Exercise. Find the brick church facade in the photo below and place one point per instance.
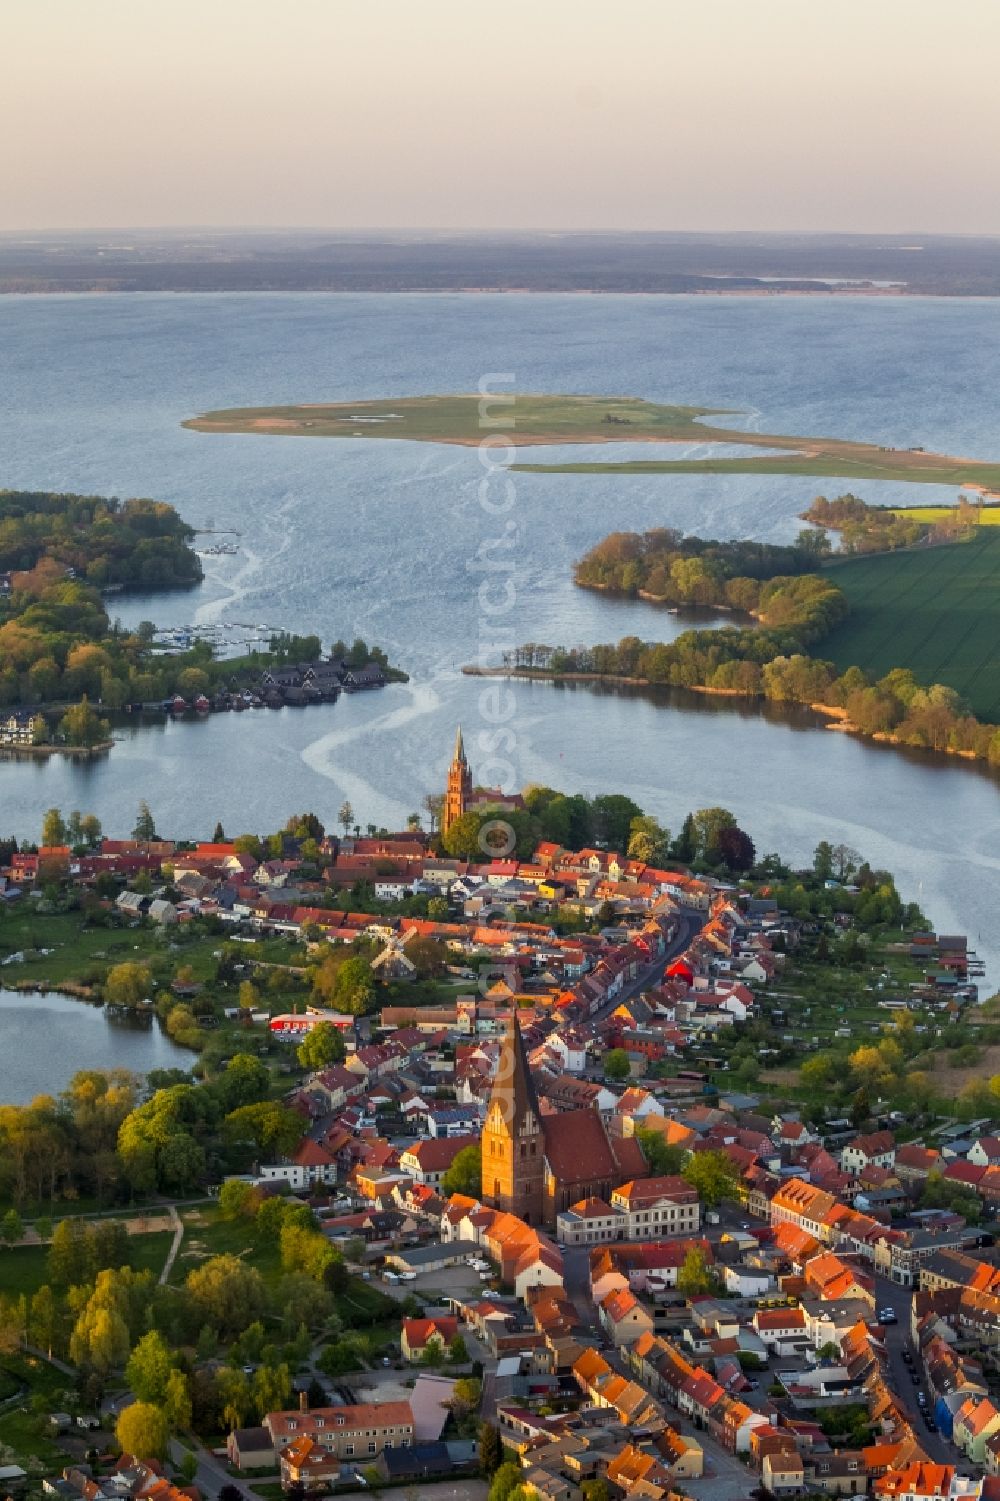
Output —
(534, 1164)
(461, 797)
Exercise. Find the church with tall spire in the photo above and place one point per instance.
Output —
(513, 1146)
(460, 797)
(459, 789)
(536, 1164)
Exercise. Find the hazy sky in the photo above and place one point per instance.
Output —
(646, 114)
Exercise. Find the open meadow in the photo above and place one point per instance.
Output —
(935, 610)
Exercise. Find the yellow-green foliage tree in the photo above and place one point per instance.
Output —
(142, 1430)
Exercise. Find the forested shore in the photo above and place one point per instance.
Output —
(773, 659)
(61, 653)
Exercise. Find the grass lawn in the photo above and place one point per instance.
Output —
(207, 1234)
(458, 419)
(78, 949)
(536, 419)
(864, 463)
(23, 1268)
(21, 1431)
(149, 1252)
(935, 610)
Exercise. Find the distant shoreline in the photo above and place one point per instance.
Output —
(485, 291)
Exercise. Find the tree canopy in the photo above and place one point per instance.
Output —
(465, 1175)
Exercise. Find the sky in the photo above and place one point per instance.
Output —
(864, 115)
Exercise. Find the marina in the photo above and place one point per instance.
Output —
(227, 639)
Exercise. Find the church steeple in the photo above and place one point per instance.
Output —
(513, 1143)
(459, 786)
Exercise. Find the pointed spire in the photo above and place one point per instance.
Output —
(513, 1087)
(459, 745)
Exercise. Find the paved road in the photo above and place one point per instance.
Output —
(726, 1478)
(691, 923)
(889, 1295)
(211, 1474)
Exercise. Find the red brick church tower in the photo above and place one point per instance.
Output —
(513, 1143)
(459, 788)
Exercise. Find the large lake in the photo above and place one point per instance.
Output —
(388, 540)
(46, 1038)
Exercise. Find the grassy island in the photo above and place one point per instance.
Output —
(535, 420)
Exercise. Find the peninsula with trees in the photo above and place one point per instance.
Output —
(895, 645)
(65, 665)
(531, 420)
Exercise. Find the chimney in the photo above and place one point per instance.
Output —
(303, 1401)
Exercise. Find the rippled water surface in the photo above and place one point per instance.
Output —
(388, 539)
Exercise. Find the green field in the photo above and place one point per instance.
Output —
(528, 420)
(23, 1269)
(987, 515)
(935, 610)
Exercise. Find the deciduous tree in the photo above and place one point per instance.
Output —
(128, 984)
(142, 1430)
(321, 1046)
(695, 1276)
(714, 1175)
(465, 1175)
(616, 1064)
(149, 1367)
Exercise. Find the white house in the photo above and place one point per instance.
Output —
(875, 1150)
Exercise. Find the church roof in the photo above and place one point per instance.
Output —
(513, 1085)
(459, 745)
(579, 1149)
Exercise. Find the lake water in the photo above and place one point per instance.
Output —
(389, 539)
(46, 1038)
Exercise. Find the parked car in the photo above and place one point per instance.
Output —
(888, 1316)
